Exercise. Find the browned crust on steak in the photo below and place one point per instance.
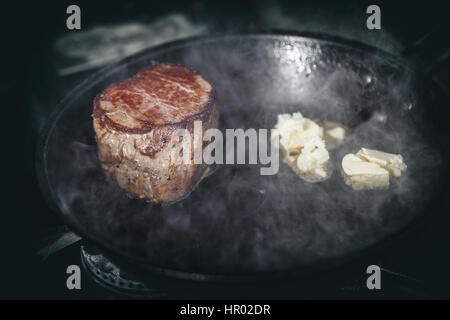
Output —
(140, 159)
(180, 73)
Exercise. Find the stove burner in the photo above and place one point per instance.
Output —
(112, 277)
(128, 283)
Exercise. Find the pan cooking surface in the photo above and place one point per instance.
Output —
(236, 221)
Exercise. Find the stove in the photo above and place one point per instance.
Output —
(106, 276)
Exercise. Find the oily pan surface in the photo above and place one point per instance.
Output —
(237, 221)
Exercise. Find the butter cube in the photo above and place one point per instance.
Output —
(360, 174)
(389, 161)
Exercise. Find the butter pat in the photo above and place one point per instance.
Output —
(313, 158)
(301, 140)
(360, 174)
(335, 134)
(389, 161)
(370, 169)
(293, 130)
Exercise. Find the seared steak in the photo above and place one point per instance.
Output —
(135, 123)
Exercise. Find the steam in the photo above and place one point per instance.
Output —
(237, 220)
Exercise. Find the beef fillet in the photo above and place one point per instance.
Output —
(135, 122)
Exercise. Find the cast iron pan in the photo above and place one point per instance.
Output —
(238, 224)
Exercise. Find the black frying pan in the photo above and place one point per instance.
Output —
(238, 224)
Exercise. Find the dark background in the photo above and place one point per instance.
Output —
(32, 88)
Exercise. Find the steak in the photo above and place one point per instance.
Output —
(136, 121)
